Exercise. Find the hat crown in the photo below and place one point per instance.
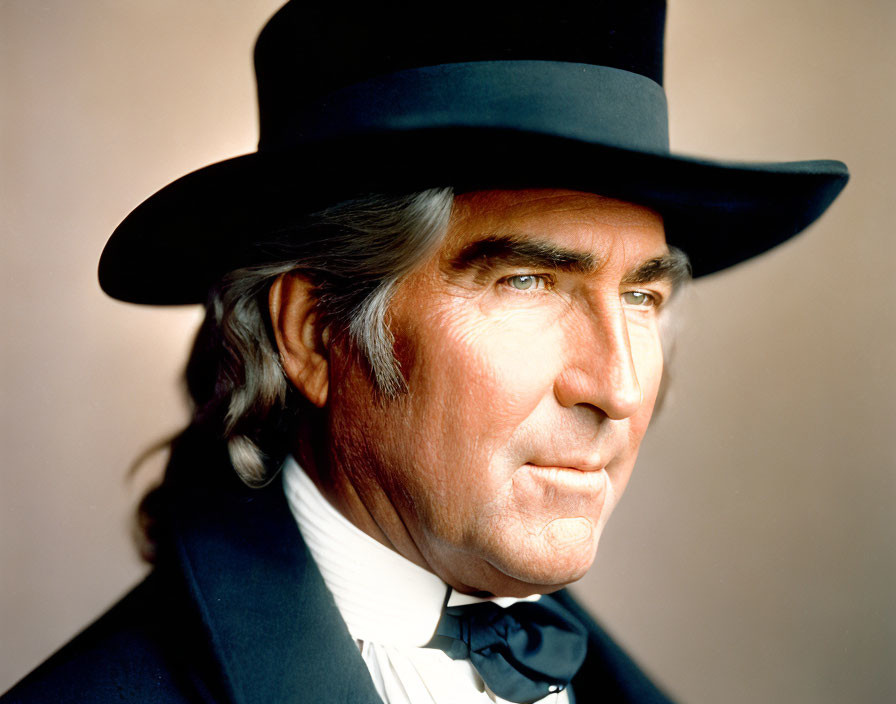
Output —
(309, 50)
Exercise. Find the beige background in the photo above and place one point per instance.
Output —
(753, 560)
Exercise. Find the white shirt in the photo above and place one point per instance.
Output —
(390, 605)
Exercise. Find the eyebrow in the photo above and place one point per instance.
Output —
(673, 267)
(492, 252)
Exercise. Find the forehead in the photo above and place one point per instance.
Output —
(604, 227)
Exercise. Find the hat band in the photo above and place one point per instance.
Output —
(596, 104)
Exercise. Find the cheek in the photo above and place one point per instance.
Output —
(471, 383)
(485, 372)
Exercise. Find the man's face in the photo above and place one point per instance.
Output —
(531, 350)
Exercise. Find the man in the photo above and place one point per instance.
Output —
(435, 299)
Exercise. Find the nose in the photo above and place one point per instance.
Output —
(600, 370)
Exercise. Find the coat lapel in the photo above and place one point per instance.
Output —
(271, 622)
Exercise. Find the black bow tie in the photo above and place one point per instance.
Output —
(523, 652)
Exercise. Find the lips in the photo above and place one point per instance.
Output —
(581, 464)
(582, 478)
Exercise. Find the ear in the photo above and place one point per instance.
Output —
(302, 346)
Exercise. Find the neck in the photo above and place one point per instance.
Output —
(376, 517)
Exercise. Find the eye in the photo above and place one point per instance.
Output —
(526, 282)
(640, 299)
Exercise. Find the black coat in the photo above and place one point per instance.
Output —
(236, 611)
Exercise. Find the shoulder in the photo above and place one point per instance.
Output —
(609, 674)
(131, 653)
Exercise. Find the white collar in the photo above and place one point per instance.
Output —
(382, 596)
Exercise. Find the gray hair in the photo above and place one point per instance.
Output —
(355, 254)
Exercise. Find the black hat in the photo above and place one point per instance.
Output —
(387, 99)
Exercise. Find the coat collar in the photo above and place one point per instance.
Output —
(270, 620)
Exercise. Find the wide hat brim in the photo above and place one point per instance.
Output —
(174, 246)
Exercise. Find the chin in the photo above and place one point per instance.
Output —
(542, 569)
